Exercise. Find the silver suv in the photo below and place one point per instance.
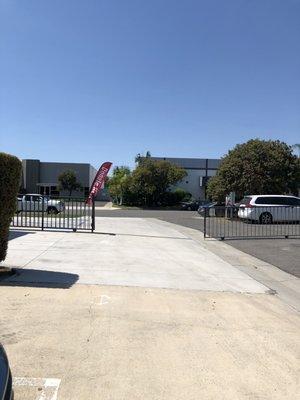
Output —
(267, 209)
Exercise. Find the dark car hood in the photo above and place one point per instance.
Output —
(4, 373)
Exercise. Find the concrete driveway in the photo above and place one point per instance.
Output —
(147, 310)
(132, 252)
(284, 253)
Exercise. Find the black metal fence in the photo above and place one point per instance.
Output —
(38, 211)
(251, 222)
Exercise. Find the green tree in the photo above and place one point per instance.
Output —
(256, 167)
(10, 176)
(152, 178)
(296, 147)
(139, 156)
(68, 181)
(118, 184)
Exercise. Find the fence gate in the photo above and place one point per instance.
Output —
(39, 211)
(259, 222)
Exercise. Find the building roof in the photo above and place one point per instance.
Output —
(192, 163)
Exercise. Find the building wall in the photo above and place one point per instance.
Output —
(49, 172)
(195, 168)
(36, 174)
(31, 175)
(191, 183)
(92, 174)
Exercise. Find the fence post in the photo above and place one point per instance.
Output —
(204, 229)
(43, 210)
(93, 215)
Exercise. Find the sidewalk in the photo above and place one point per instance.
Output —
(158, 314)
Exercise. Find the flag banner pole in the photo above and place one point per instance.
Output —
(98, 182)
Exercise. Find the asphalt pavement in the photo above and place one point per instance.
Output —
(283, 253)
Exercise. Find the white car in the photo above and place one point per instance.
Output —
(267, 209)
(36, 202)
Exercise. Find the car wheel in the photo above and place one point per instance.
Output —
(189, 209)
(266, 218)
(52, 210)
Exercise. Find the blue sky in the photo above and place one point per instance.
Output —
(97, 80)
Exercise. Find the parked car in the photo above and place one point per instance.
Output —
(193, 205)
(190, 205)
(6, 392)
(212, 209)
(36, 202)
(267, 209)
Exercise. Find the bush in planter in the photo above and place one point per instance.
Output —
(10, 174)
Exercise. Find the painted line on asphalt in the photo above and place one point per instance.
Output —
(48, 386)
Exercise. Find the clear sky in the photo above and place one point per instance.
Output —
(97, 80)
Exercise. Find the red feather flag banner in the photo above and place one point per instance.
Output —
(99, 181)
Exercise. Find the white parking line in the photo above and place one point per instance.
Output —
(49, 386)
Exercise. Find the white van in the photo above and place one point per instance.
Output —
(267, 209)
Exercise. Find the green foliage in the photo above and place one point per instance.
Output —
(10, 176)
(173, 198)
(68, 181)
(256, 167)
(296, 147)
(118, 184)
(152, 179)
(148, 185)
(182, 195)
(139, 156)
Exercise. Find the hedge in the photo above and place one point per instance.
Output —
(10, 174)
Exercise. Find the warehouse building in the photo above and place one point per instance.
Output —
(42, 177)
(199, 171)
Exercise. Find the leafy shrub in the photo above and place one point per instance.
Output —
(174, 198)
(10, 175)
(152, 179)
(182, 195)
(256, 167)
(169, 199)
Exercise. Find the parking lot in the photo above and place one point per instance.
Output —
(145, 311)
(283, 253)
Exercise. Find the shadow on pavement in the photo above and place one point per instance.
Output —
(14, 234)
(39, 278)
(152, 236)
(251, 238)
